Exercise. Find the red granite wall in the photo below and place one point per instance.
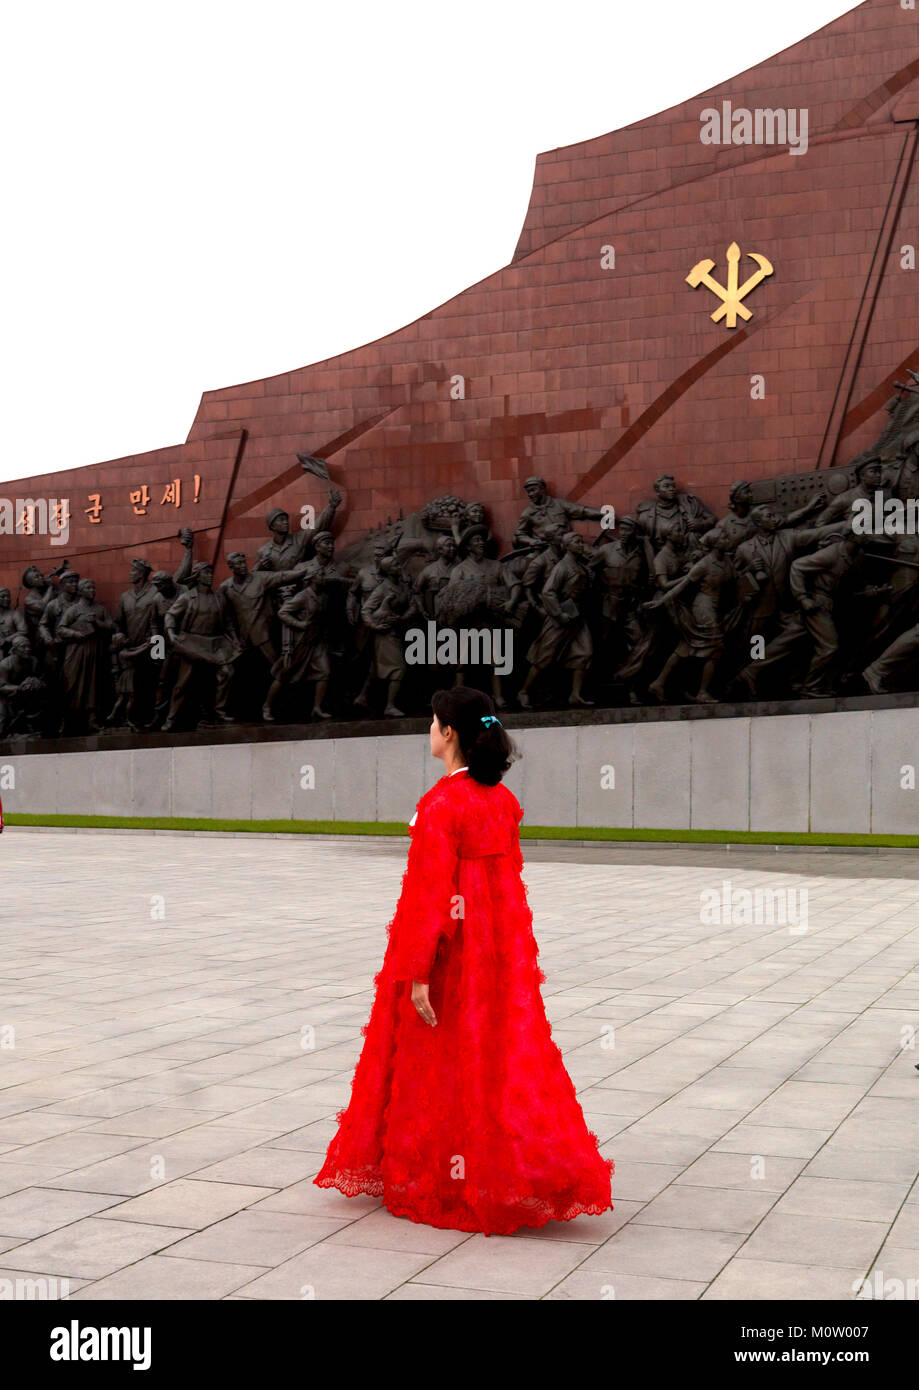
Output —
(598, 378)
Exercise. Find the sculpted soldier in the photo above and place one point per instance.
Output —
(51, 645)
(565, 637)
(620, 576)
(137, 605)
(885, 671)
(386, 611)
(12, 622)
(671, 560)
(476, 582)
(700, 627)
(39, 590)
(139, 619)
(366, 579)
(739, 524)
(546, 513)
(474, 515)
(323, 561)
(248, 593)
(671, 510)
(165, 585)
(305, 648)
(85, 628)
(902, 605)
(362, 586)
(21, 688)
(903, 412)
(621, 569)
(814, 580)
(654, 624)
(901, 476)
(540, 561)
(431, 582)
(123, 681)
(436, 575)
(138, 609)
(763, 563)
(332, 588)
(285, 551)
(477, 594)
(869, 476)
(763, 591)
(136, 621)
(199, 625)
(51, 613)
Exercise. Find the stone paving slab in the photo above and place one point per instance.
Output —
(181, 1015)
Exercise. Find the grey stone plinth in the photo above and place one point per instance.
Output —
(780, 772)
(113, 782)
(313, 779)
(354, 794)
(846, 771)
(400, 774)
(548, 777)
(720, 783)
(841, 772)
(526, 741)
(76, 785)
(662, 772)
(34, 784)
(275, 774)
(192, 784)
(606, 755)
(151, 781)
(895, 772)
(231, 780)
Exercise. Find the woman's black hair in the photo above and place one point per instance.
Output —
(484, 743)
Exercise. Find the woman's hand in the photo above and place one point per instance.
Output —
(422, 1003)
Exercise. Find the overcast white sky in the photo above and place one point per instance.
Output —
(203, 193)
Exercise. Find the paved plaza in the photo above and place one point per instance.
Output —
(180, 1017)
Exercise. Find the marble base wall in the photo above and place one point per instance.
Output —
(852, 771)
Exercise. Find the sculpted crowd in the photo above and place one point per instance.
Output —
(666, 605)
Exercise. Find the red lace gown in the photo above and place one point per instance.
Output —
(472, 1125)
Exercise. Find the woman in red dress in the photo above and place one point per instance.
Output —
(462, 1114)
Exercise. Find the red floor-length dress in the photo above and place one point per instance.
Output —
(472, 1125)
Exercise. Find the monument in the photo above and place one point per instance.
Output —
(642, 458)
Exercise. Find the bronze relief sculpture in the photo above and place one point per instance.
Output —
(781, 597)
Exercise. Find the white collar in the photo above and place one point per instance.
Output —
(449, 774)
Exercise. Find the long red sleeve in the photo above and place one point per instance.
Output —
(427, 908)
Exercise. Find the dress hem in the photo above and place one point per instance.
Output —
(564, 1211)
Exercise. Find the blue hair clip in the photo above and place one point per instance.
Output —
(489, 719)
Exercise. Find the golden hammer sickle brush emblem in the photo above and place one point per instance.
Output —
(731, 294)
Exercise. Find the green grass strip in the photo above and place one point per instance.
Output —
(264, 827)
(527, 832)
